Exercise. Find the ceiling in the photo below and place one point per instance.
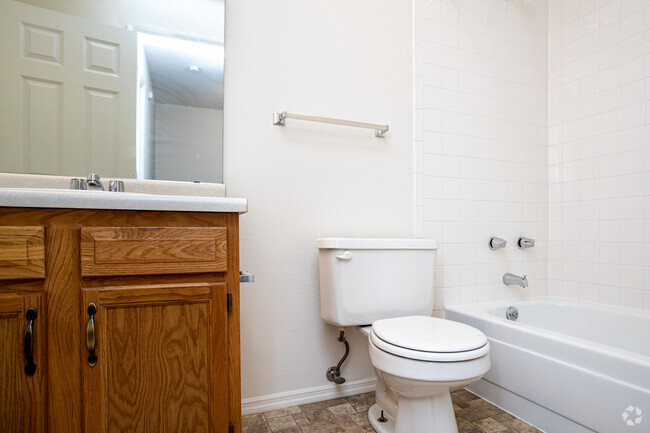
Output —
(169, 61)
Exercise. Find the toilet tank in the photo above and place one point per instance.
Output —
(363, 280)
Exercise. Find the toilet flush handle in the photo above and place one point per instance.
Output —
(347, 255)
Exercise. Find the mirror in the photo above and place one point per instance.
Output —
(121, 88)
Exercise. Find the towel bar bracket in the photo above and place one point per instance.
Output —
(280, 118)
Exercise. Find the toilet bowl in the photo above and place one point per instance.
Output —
(418, 360)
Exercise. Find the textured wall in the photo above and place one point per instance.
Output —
(599, 151)
(481, 143)
(350, 60)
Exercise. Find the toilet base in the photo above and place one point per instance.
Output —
(434, 414)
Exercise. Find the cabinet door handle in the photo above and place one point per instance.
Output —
(28, 342)
(90, 335)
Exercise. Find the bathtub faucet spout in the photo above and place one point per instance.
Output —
(509, 279)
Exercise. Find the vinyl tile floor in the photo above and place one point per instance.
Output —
(350, 415)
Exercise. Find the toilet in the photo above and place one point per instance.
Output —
(385, 288)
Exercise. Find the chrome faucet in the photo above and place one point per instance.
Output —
(509, 279)
(523, 243)
(93, 180)
(116, 186)
(497, 243)
(76, 183)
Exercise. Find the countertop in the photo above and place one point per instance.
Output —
(90, 199)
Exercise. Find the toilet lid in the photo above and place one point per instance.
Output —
(429, 334)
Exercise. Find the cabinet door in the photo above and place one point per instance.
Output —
(22, 364)
(161, 359)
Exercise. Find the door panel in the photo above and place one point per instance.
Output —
(22, 252)
(161, 359)
(11, 309)
(153, 250)
(22, 407)
(69, 94)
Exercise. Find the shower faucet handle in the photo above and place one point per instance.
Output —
(497, 243)
(523, 243)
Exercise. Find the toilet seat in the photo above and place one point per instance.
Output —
(427, 338)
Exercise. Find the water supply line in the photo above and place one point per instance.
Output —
(333, 373)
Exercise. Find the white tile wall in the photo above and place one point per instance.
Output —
(481, 146)
(599, 153)
(531, 119)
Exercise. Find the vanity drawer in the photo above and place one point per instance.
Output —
(107, 251)
(22, 252)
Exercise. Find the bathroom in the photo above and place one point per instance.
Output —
(507, 118)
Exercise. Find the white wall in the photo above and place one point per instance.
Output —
(516, 104)
(350, 60)
(188, 143)
(481, 143)
(599, 152)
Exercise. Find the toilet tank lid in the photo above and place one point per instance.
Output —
(376, 244)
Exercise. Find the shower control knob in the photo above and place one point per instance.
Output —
(497, 243)
(523, 243)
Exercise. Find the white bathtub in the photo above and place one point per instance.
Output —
(565, 366)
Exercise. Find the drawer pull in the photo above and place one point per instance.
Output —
(90, 335)
(28, 342)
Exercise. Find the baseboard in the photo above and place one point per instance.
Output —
(306, 395)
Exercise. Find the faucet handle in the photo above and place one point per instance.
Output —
(496, 243)
(79, 184)
(116, 186)
(524, 243)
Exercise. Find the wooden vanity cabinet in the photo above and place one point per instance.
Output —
(160, 356)
(142, 326)
(22, 329)
(22, 384)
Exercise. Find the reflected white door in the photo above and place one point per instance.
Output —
(67, 94)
